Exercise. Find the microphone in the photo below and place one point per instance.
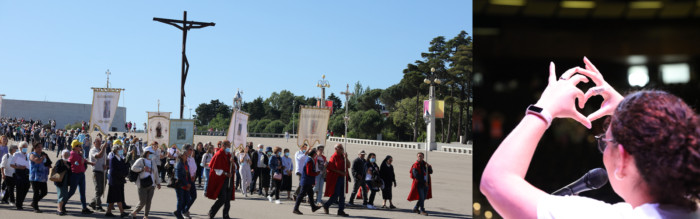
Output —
(594, 179)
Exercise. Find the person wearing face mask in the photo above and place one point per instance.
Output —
(39, 166)
(276, 168)
(255, 156)
(118, 170)
(372, 180)
(20, 163)
(287, 176)
(244, 169)
(220, 184)
(147, 180)
(77, 180)
(8, 175)
(299, 159)
(265, 171)
(386, 173)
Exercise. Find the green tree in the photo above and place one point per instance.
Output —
(461, 69)
(336, 123)
(367, 124)
(370, 100)
(256, 109)
(274, 127)
(206, 112)
(220, 122)
(261, 125)
(402, 116)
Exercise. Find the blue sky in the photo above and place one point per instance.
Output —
(57, 50)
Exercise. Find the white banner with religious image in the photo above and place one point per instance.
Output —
(159, 128)
(313, 124)
(104, 106)
(238, 129)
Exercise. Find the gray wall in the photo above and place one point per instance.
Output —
(63, 113)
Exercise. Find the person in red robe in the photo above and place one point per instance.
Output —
(335, 172)
(421, 188)
(220, 184)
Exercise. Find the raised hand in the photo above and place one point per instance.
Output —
(558, 98)
(611, 98)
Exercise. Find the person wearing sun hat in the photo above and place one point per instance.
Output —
(77, 178)
(146, 167)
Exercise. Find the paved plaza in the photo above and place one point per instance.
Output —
(452, 191)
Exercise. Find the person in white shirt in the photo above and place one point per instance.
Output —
(146, 167)
(299, 161)
(206, 158)
(20, 162)
(650, 150)
(244, 169)
(7, 175)
(97, 159)
(287, 176)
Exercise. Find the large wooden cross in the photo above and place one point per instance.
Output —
(185, 26)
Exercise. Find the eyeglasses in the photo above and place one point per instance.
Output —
(603, 142)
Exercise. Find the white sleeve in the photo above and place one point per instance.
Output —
(551, 206)
(12, 160)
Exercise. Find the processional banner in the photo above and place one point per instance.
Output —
(104, 106)
(313, 123)
(238, 129)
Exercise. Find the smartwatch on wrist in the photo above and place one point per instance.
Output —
(540, 112)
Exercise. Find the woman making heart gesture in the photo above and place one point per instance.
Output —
(651, 150)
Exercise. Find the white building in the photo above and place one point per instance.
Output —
(63, 113)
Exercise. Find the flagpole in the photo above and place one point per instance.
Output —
(230, 181)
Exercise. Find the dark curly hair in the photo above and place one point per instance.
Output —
(661, 132)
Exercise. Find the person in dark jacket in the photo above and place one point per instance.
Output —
(308, 179)
(198, 154)
(359, 170)
(275, 164)
(372, 181)
(386, 173)
(265, 170)
(118, 170)
(255, 167)
(183, 182)
(63, 166)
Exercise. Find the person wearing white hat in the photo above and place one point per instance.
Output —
(147, 180)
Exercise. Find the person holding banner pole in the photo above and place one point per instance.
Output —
(220, 185)
(335, 172)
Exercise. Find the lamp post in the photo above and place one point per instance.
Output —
(430, 112)
(427, 118)
(346, 119)
(293, 111)
(323, 84)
